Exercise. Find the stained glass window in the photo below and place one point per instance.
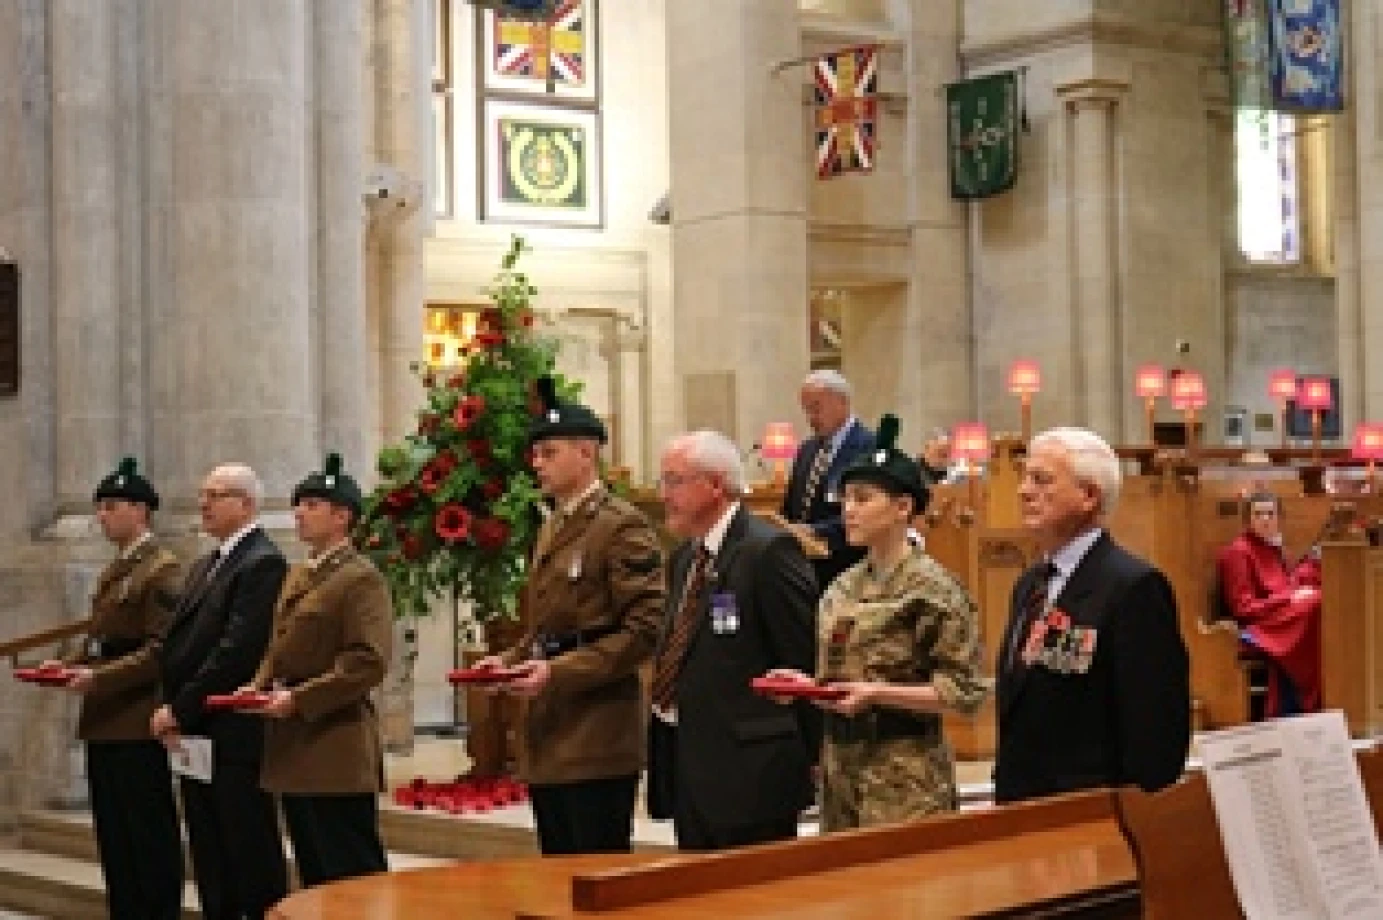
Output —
(1265, 172)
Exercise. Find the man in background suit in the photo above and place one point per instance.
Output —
(217, 638)
(1094, 685)
(812, 503)
(728, 766)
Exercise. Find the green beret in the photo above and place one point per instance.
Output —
(331, 485)
(126, 484)
(888, 467)
(559, 419)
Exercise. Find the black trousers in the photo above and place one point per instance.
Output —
(237, 853)
(137, 830)
(334, 836)
(691, 828)
(594, 816)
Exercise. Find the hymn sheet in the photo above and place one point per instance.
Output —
(1295, 822)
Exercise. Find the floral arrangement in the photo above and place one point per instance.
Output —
(455, 510)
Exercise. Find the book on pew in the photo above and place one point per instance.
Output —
(1298, 834)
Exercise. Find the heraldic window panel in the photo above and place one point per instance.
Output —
(539, 98)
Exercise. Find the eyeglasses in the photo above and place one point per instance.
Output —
(676, 480)
(211, 495)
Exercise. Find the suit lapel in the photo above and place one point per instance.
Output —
(1011, 681)
(1072, 598)
(202, 585)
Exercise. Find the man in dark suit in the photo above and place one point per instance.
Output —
(1094, 685)
(214, 644)
(728, 767)
(812, 503)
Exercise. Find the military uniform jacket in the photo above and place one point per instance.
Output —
(600, 574)
(134, 599)
(333, 629)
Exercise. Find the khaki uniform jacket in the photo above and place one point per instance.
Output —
(601, 568)
(134, 599)
(331, 644)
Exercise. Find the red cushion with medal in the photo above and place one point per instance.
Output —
(483, 675)
(238, 700)
(45, 677)
(787, 686)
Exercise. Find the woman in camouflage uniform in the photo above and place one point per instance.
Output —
(900, 636)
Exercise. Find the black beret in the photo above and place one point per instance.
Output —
(559, 419)
(126, 483)
(332, 485)
(889, 467)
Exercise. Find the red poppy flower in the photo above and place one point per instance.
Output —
(489, 339)
(413, 547)
(467, 411)
(446, 460)
(1058, 619)
(480, 449)
(401, 499)
(452, 523)
(490, 533)
(492, 489)
(432, 476)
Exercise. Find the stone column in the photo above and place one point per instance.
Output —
(86, 250)
(28, 421)
(232, 354)
(1360, 278)
(739, 181)
(339, 79)
(401, 50)
(1099, 379)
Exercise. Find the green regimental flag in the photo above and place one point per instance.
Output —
(982, 117)
(543, 164)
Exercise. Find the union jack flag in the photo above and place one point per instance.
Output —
(846, 89)
(524, 48)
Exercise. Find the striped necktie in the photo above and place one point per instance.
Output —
(669, 661)
(1034, 604)
(820, 462)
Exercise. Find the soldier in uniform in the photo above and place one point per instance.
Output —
(900, 636)
(131, 785)
(595, 600)
(330, 647)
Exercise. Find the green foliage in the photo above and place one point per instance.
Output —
(454, 513)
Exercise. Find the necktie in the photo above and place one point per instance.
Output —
(814, 475)
(669, 661)
(1034, 603)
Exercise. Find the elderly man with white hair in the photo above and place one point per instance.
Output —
(728, 767)
(213, 645)
(1093, 674)
(812, 500)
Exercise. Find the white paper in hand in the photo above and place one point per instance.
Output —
(192, 759)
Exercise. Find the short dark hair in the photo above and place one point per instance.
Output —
(1261, 497)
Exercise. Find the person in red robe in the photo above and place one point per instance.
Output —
(1278, 605)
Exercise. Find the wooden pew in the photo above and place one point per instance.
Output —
(1175, 839)
(1352, 634)
(1062, 857)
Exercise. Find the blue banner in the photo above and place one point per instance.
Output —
(1306, 67)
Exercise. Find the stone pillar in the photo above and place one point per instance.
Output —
(232, 361)
(342, 352)
(1360, 272)
(402, 90)
(1099, 380)
(86, 269)
(739, 181)
(28, 422)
